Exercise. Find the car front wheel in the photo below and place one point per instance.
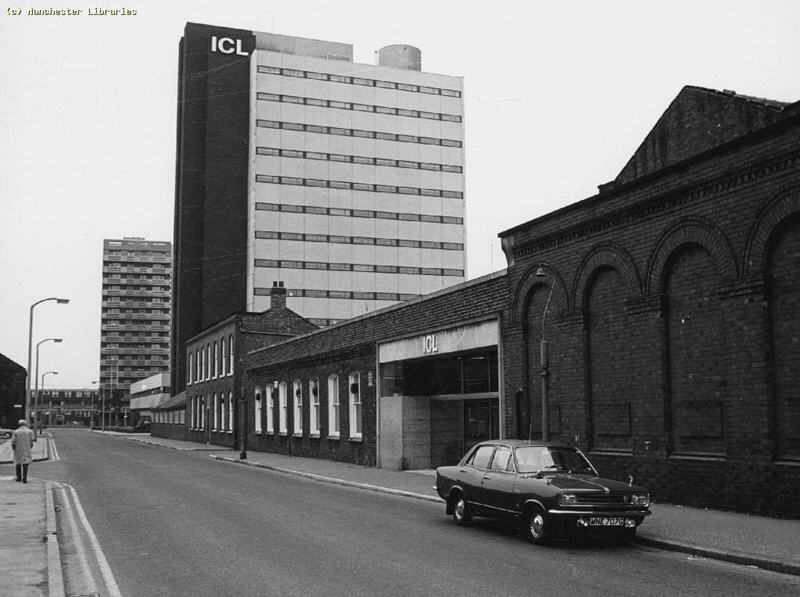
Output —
(461, 513)
(537, 528)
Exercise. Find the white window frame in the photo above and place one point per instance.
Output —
(283, 390)
(230, 354)
(230, 412)
(215, 358)
(197, 369)
(297, 402)
(314, 410)
(257, 411)
(222, 351)
(223, 419)
(270, 405)
(215, 406)
(190, 370)
(355, 405)
(333, 406)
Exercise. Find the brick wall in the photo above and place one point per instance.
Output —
(351, 346)
(673, 326)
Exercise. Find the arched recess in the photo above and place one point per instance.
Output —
(537, 320)
(699, 346)
(695, 231)
(606, 255)
(528, 284)
(611, 358)
(783, 268)
(782, 206)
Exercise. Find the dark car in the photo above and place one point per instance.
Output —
(551, 488)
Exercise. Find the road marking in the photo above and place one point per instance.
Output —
(53, 450)
(78, 541)
(105, 569)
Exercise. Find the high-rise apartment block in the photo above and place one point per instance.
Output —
(343, 180)
(135, 325)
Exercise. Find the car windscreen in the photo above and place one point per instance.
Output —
(533, 459)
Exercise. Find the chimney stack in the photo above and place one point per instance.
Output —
(277, 297)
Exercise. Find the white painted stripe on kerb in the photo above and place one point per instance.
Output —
(105, 569)
(78, 542)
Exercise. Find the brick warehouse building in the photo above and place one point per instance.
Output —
(672, 323)
(12, 392)
(406, 387)
(674, 327)
(216, 359)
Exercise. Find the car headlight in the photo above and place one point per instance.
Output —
(567, 499)
(640, 499)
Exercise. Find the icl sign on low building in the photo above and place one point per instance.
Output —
(468, 337)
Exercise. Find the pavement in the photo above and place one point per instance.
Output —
(30, 540)
(30, 565)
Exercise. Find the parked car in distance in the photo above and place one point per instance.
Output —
(6, 434)
(551, 488)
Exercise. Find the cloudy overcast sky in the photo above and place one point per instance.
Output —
(558, 95)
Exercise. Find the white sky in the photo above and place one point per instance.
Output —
(558, 96)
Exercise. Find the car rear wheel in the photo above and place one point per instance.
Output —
(461, 513)
(537, 527)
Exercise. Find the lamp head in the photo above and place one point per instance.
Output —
(62, 301)
(57, 340)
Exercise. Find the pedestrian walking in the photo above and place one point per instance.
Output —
(22, 442)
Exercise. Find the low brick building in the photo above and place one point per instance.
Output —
(169, 418)
(408, 386)
(216, 366)
(674, 320)
(12, 393)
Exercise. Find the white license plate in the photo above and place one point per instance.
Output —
(603, 521)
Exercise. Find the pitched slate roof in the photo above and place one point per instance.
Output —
(178, 400)
(452, 306)
(697, 120)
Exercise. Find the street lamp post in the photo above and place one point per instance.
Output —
(91, 412)
(111, 386)
(60, 301)
(36, 381)
(37, 402)
(544, 361)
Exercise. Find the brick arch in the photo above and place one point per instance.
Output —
(611, 255)
(526, 285)
(696, 231)
(783, 205)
